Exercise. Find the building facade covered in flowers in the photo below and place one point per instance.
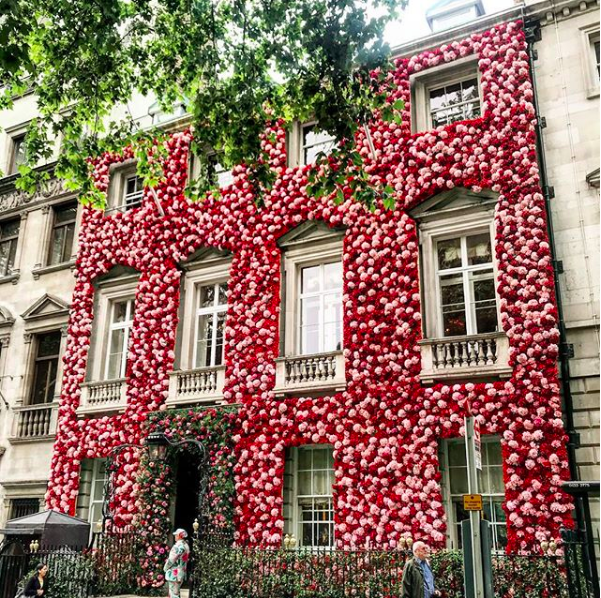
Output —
(341, 348)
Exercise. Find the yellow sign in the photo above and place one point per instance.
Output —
(472, 502)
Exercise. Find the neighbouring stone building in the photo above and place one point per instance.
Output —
(334, 349)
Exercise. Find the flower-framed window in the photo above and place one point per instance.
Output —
(126, 189)
(466, 284)
(446, 94)
(92, 485)
(307, 142)
(210, 324)
(120, 324)
(453, 464)
(312, 290)
(308, 495)
(320, 308)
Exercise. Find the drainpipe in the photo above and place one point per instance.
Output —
(566, 350)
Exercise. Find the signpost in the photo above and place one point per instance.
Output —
(474, 587)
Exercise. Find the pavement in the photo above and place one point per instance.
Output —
(183, 594)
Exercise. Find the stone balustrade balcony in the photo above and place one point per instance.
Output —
(34, 422)
(104, 396)
(465, 357)
(321, 372)
(200, 385)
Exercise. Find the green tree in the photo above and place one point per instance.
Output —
(234, 63)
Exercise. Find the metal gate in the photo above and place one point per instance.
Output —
(578, 565)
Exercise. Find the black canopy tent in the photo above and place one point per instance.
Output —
(50, 528)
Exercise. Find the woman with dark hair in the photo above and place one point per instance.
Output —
(38, 584)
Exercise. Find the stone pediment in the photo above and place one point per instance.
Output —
(456, 200)
(6, 318)
(205, 256)
(310, 232)
(46, 307)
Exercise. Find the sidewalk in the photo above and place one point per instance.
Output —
(184, 594)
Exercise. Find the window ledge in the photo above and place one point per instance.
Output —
(104, 396)
(461, 357)
(31, 439)
(37, 272)
(310, 373)
(200, 385)
(592, 93)
(14, 278)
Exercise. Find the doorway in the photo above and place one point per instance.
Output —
(187, 491)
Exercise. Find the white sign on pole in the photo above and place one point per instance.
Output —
(477, 445)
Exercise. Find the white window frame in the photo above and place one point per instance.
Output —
(321, 293)
(94, 481)
(452, 525)
(109, 291)
(590, 35)
(295, 259)
(296, 145)
(213, 311)
(127, 326)
(433, 78)
(132, 200)
(465, 271)
(296, 521)
(117, 198)
(204, 272)
(430, 234)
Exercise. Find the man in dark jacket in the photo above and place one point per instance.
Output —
(418, 579)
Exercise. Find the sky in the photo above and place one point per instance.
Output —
(413, 24)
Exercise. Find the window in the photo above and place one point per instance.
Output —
(21, 507)
(309, 494)
(456, 101)
(219, 175)
(321, 308)
(445, 94)
(19, 153)
(133, 191)
(210, 324)
(314, 143)
(46, 365)
(594, 44)
(92, 483)
(9, 236)
(63, 231)
(490, 479)
(466, 283)
(121, 320)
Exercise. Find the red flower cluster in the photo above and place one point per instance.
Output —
(385, 427)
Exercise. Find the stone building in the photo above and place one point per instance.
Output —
(37, 284)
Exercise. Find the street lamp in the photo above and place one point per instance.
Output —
(158, 443)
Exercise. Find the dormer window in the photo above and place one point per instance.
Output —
(446, 14)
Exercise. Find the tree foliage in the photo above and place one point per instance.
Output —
(234, 63)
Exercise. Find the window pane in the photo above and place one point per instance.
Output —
(222, 294)
(66, 213)
(449, 254)
(453, 306)
(479, 249)
(320, 458)
(470, 89)
(119, 312)
(207, 296)
(219, 340)
(304, 483)
(332, 276)
(49, 344)
(458, 477)
(320, 483)
(457, 454)
(57, 245)
(116, 353)
(9, 229)
(19, 152)
(304, 458)
(44, 381)
(492, 453)
(310, 279)
(204, 341)
(437, 97)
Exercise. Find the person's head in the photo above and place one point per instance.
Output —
(41, 569)
(180, 534)
(421, 550)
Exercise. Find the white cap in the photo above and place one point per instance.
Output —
(179, 531)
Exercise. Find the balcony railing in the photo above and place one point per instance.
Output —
(201, 385)
(307, 373)
(481, 355)
(34, 422)
(103, 396)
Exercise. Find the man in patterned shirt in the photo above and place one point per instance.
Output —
(175, 567)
